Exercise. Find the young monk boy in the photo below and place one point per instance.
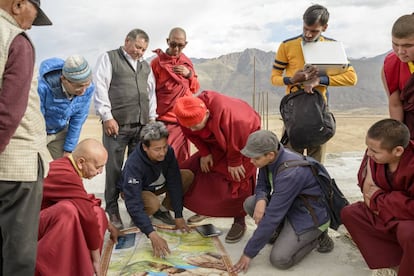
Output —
(384, 221)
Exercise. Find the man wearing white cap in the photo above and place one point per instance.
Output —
(23, 154)
(65, 90)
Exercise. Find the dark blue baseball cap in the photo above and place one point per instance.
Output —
(41, 18)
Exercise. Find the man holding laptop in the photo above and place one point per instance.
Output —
(289, 65)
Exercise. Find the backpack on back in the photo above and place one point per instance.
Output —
(306, 118)
(332, 196)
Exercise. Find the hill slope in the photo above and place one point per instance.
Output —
(237, 74)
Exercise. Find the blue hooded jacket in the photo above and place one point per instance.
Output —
(59, 111)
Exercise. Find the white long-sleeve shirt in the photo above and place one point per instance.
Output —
(102, 78)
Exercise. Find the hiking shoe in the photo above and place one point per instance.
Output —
(116, 221)
(235, 233)
(164, 217)
(326, 244)
(196, 218)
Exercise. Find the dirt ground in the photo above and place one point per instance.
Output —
(350, 130)
(345, 259)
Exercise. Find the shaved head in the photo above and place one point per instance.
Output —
(177, 31)
(90, 157)
(90, 148)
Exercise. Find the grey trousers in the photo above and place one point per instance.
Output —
(127, 139)
(19, 223)
(289, 248)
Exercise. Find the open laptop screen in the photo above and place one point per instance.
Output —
(328, 56)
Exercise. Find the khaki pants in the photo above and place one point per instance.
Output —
(151, 200)
(317, 153)
(55, 143)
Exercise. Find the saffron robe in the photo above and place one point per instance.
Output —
(230, 123)
(169, 87)
(391, 230)
(71, 223)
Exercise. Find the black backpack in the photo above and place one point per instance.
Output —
(332, 195)
(307, 120)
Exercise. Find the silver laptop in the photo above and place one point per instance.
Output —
(328, 56)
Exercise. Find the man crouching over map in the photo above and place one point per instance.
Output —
(151, 170)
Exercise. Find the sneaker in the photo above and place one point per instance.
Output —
(164, 217)
(326, 244)
(235, 233)
(116, 221)
(196, 218)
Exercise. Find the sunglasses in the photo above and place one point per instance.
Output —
(175, 44)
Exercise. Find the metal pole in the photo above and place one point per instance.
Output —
(267, 109)
(254, 82)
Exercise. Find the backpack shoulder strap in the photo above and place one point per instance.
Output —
(292, 163)
(303, 162)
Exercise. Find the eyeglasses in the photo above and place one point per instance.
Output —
(175, 44)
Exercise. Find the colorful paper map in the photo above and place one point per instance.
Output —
(191, 254)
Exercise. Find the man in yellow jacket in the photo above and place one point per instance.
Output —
(288, 66)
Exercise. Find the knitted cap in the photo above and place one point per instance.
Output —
(190, 111)
(76, 69)
(259, 143)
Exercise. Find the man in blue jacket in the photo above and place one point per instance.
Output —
(151, 170)
(281, 216)
(65, 90)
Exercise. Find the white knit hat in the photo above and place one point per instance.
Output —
(76, 69)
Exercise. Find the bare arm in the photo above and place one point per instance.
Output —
(394, 103)
(369, 187)
(96, 262)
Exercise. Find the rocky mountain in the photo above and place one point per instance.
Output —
(239, 74)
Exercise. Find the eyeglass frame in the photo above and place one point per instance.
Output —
(173, 44)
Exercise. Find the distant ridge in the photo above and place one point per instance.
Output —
(233, 74)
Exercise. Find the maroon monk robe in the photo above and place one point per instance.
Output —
(216, 193)
(391, 231)
(407, 99)
(398, 77)
(71, 223)
(170, 87)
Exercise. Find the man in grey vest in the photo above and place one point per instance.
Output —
(125, 101)
(24, 157)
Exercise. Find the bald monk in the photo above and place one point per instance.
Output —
(72, 223)
(175, 78)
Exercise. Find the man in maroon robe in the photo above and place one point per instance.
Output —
(218, 126)
(175, 78)
(72, 224)
(382, 225)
